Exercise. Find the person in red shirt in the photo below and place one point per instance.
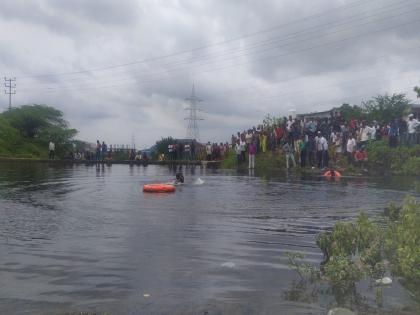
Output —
(279, 130)
(353, 125)
(252, 150)
(361, 157)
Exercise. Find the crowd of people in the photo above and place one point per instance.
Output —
(101, 152)
(182, 151)
(195, 151)
(216, 152)
(314, 142)
(321, 142)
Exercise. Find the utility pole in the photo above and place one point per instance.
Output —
(192, 129)
(10, 84)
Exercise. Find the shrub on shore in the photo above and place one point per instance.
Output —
(26, 131)
(263, 161)
(401, 160)
(365, 249)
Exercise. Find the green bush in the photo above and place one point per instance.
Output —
(270, 160)
(403, 241)
(26, 131)
(230, 161)
(341, 271)
(355, 249)
(411, 166)
(401, 160)
(352, 250)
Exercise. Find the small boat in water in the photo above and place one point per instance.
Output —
(159, 188)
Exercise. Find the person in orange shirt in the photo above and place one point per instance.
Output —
(361, 157)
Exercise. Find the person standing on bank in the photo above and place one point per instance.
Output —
(412, 125)
(289, 153)
(252, 150)
(104, 150)
(98, 151)
(238, 152)
(51, 148)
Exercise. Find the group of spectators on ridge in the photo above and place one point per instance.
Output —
(101, 152)
(314, 142)
(195, 151)
(318, 141)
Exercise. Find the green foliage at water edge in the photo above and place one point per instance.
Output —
(403, 240)
(26, 131)
(365, 249)
(401, 160)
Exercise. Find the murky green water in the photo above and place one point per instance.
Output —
(86, 238)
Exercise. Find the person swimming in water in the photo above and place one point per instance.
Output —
(331, 173)
(179, 179)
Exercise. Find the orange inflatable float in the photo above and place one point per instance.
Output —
(159, 188)
(332, 173)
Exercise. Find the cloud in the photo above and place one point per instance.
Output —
(69, 16)
(271, 57)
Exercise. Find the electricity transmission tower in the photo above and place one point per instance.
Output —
(133, 141)
(10, 84)
(192, 129)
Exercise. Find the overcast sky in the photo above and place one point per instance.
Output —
(123, 68)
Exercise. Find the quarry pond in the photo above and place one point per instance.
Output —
(85, 238)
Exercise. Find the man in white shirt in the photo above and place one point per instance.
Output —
(372, 133)
(321, 150)
(51, 147)
(208, 151)
(351, 144)
(289, 124)
(243, 149)
(365, 132)
(412, 125)
(187, 151)
(238, 151)
(248, 137)
(170, 151)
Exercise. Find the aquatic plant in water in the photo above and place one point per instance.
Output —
(365, 249)
(402, 244)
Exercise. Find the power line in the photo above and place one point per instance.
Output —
(312, 29)
(258, 45)
(291, 78)
(269, 59)
(9, 84)
(263, 31)
(345, 83)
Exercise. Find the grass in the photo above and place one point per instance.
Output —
(403, 160)
(263, 161)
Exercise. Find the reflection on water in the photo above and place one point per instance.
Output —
(85, 238)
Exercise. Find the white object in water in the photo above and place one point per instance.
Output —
(341, 311)
(199, 181)
(228, 264)
(384, 280)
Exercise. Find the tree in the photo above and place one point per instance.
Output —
(31, 120)
(348, 111)
(385, 108)
(26, 130)
(417, 90)
(162, 145)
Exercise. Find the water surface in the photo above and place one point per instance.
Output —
(85, 238)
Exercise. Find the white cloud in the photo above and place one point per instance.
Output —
(305, 63)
